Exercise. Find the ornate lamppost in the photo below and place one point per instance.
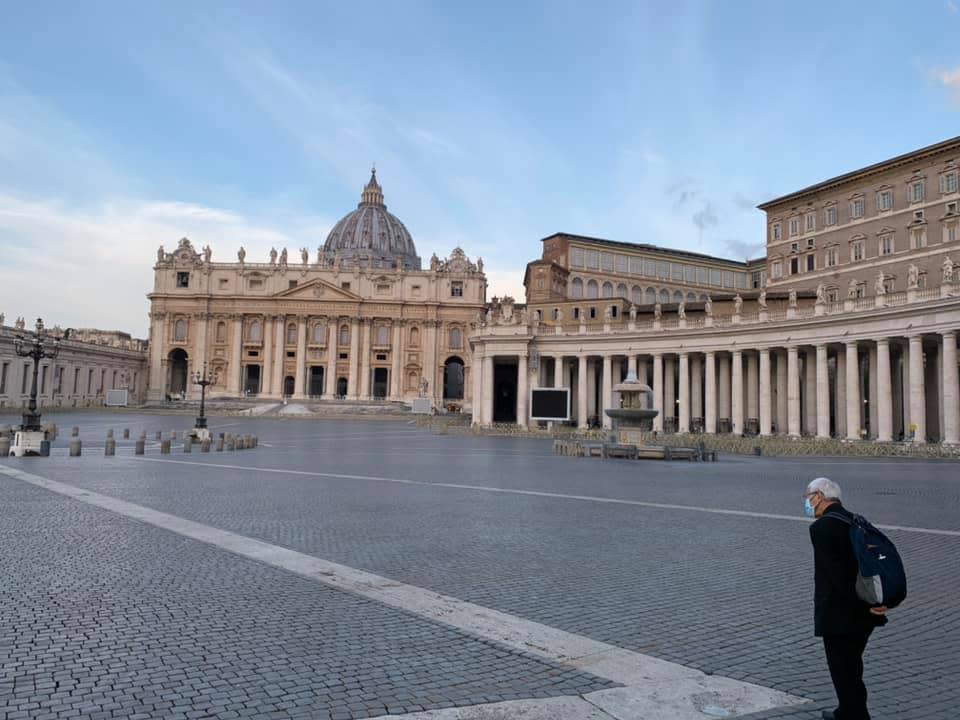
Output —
(38, 347)
(203, 380)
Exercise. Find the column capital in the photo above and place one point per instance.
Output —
(883, 341)
(949, 334)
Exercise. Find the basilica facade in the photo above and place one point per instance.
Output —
(361, 320)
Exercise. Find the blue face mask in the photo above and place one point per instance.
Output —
(808, 508)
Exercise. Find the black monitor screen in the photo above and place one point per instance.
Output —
(550, 404)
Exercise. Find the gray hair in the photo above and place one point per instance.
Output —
(826, 486)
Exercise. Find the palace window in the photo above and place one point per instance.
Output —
(794, 226)
(833, 295)
(180, 330)
(833, 257)
(183, 279)
(811, 262)
(885, 200)
(592, 259)
(593, 313)
(291, 284)
(576, 257)
(76, 380)
(636, 266)
(810, 222)
(622, 290)
(255, 333)
(948, 182)
(593, 289)
(776, 270)
(456, 339)
(890, 283)
(221, 332)
(794, 266)
(414, 337)
(345, 335)
(456, 288)
(291, 334)
(224, 283)
(383, 288)
(860, 290)
(576, 313)
(922, 280)
(856, 251)
(950, 233)
(775, 232)
(794, 247)
(613, 311)
(636, 294)
(856, 208)
(345, 285)
(886, 244)
(830, 215)
(255, 283)
(918, 238)
(319, 334)
(383, 335)
(622, 263)
(89, 381)
(3, 379)
(608, 289)
(576, 288)
(606, 261)
(916, 191)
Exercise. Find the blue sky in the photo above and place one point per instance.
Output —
(127, 125)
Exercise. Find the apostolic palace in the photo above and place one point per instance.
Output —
(846, 328)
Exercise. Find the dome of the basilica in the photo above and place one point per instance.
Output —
(371, 236)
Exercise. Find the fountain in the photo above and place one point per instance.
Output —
(634, 416)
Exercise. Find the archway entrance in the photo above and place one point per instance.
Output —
(380, 383)
(316, 381)
(505, 393)
(453, 379)
(288, 385)
(178, 372)
(341, 387)
(251, 380)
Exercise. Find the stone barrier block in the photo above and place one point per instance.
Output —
(173, 434)
(164, 447)
(110, 433)
(159, 435)
(110, 448)
(140, 447)
(220, 443)
(188, 444)
(205, 445)
(4, 446)
(75, 447)
(126, 433)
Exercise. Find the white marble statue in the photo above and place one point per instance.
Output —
(657, 311)
(947, 269)
(737, 304)
(913, 277)
(160, 254)
(283, 258)
(682, 310)
(304, 256)
(241, 254)
(273, 256)
(762, 300)
(708, 307)
(792, 299)
(207, 254)
(633, 313)
(878, 287)
(821, 294)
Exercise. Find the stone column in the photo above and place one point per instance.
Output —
(793, 392)
(753, 381)
(781, 392)
(333, 338)
(591, 387)
(658, 391)
(397, 358)
(669, 398)
(853, 391)
(884, 392)
(632, 365)
(558, 376)
(279, 342)
(841, 404)
(918, 399)
(684, 414)
(522, 391)
(951, 390)
(487, 414)
(823, 393)
(606, 392)
(696, 386)
(365, 338)
(236, 353)
(266, 377)
(723, 399)
(710, 380)
(582, 392)
(476, 401)
(299, 386)
(810, 392)
(158, 345)
(430, 357)
(736, 390)
(874, 396)
(766, 420)
(353, 389)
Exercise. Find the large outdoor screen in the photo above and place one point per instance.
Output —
(550, 404)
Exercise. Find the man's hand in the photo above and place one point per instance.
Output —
(881, 610)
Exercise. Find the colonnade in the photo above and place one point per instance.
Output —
(903, 387)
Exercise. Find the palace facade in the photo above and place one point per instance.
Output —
(359, 321)
(848, 328)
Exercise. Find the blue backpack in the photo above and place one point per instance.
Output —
(881, 578)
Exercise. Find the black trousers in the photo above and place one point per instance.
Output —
(845, 660)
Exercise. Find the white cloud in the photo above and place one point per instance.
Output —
(950, 79)
(953, 7)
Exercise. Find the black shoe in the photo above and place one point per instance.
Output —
(828, 715)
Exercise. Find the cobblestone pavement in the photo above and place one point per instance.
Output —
(727, 594)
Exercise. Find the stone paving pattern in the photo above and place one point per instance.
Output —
(105, 617)
(726, 594)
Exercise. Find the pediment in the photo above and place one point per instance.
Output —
(317, 290)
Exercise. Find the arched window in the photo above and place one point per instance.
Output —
(622, 290)
(677, 296)
(539, 315)
(576, 288)
(636, 294)
(255, 332)
(555, 314)
(383, 335)
(180, 330)
(664, 296)
(592, 289)
(414, 337)
(703, 298)
(344, 335)
(455, 338)
(691, 297)
(608, 289)
(319, 333)
(221, 332)
(291, 334)
(650, 295)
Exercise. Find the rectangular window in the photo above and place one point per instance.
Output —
(775, 232)
(951, 208)
(677, 271)
(714, 277)
(916, 191)
(3, 378)
(794, 247)
(856, 251)
(89, 381)
(224, 283)
(794, 266)
(948, 183)
(256, 283)
(593, 260)
(636, 266)
(950, 232)
(833, 295)
(727, 279)
(811, 263)
(76, 380)
(832, 257)
(43, 379)
(776, 269)
(576, 313)
(593, 313)
(885, 200)
(886, 244)
(576, 257)
(856, 208)
(344, 286)
(383, 288)
(183, 279)
(830, 215)
(918, 238)
(606, 261)
(755, 280)
(59, 385)
(456, 289)
(811, 243)
(650, 268)
(741, 281)
(702, 276)
(663, 270)
(861, 290)
(810, 222)
(291, 284)
(922, 281)
(794, 226)
(622, 263)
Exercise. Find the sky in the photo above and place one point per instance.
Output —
(124, 126)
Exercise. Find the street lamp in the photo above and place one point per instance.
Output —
(203, 380)
(37, 348)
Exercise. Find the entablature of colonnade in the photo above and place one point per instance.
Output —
(918, 318)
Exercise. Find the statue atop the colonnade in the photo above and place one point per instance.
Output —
(762, 300)
(913, 277)
(273, 256)
(821, 294)
(633, 313)
(947, 269)
(792, 299)
(737, 304)
(657, 311)
(878, 285)
(682, 310)
(241, 254)
(708, 307)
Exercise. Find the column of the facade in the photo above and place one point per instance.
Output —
(753, 379)
(558, 375)
(918, 399)
(793, 392)
(299, 386)
(781, 392)
(158, 377)
(736, 391)
(430, 359)
(266, 377)
(236, 355)
(279, 353)
(723, 398)
(841, 404)
(365, 337)
(669, 396)
(823, 392)
(884, 427)
(606, 392)
(476, 403)
(658, 391)
(684, 392)
(487, 405)
(582, 392)
(853, 391)
(333, 338)
(353, 389)
(873, 394)
(710, 390)
(951, 390)
(522, 412)
(766, 420)
(396, 357)
(810, 392)
(696, 388)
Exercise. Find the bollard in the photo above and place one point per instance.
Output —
(75, 432)
(4, 446)
(5, 431)
(205, 445)
(230, 444)
(110, 433)
(140, 447)
(126, 433)
(75, 447)
(188, 444)
(173, 434)
(159, 434)
(110, 447)
(220, 443)
(249, 439)
(164, 447)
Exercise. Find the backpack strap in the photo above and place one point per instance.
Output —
(837, 516)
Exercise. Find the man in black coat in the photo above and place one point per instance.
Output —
(841, 618)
